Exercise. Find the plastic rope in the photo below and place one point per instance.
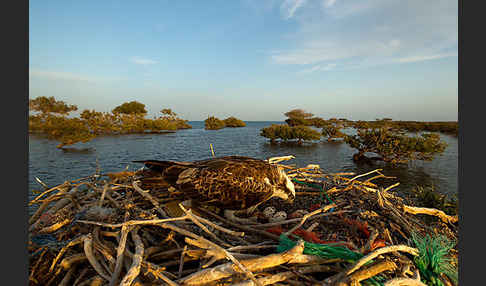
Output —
(316, 186)
(328, 251)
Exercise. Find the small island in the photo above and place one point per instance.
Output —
(385, 138)
(52, 120)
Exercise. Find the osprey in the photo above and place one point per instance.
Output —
(231, 183)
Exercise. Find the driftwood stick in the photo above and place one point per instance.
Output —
(272, 279)
(153, 269)
(404, 282)
(31, 276)
(265, 225)
(78, 240)
(430, 211)
(217, 251)
(369, 272)
(103, 193)
(134, 222)
(80, 276)
(67, 277)
(146, 195)
(68, 262)
(134, 270)
(38, 198)
(88, 251)
(251, 247)
(204, 228)
(229, 269)
(274, 160)
(39, 211)
(156, 272)
(305, 217)
(390, 187)
(93, 281)
(119, 255)
(245, 228)
(218, 227)
(181, 262)
(55, 226)
(363, 175)
(380, 251)
(44, 185)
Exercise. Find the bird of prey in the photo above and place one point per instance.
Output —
(232, 183)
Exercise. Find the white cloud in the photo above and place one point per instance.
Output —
(412, 59)
(329, 3)
(142, 61)
(356, 33)
(326, 67)
(289, 7)
(62, 75)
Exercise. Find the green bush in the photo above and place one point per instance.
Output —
(46, 105)
(234, 122)
(285, 133)
(430, 198)
(394, 146)
(132, 107)
(213, 123)
(332, 132)
(65, 130)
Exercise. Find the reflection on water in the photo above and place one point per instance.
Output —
(114, 153)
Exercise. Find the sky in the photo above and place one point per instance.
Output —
(253, 59)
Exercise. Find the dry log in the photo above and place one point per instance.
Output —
(272, 279)
(217, 251)
(119, 256)
(229, 269)
(380, 251)
(368, 272)
(88, 251)
(430, 211)
(134, 270)
(404, 282)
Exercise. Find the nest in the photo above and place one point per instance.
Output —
(342, 229)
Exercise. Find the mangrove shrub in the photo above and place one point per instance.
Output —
(285, 133)
(213, 123)
(234, 122)
(132, 107)
(394, 146)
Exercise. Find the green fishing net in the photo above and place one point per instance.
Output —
(434, 259)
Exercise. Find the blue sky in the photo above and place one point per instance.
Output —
(253, 59)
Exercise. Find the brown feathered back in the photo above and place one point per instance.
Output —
(232, 182)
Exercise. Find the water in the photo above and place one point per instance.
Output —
(115, 153)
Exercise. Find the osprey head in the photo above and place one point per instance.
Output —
(286, 189)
